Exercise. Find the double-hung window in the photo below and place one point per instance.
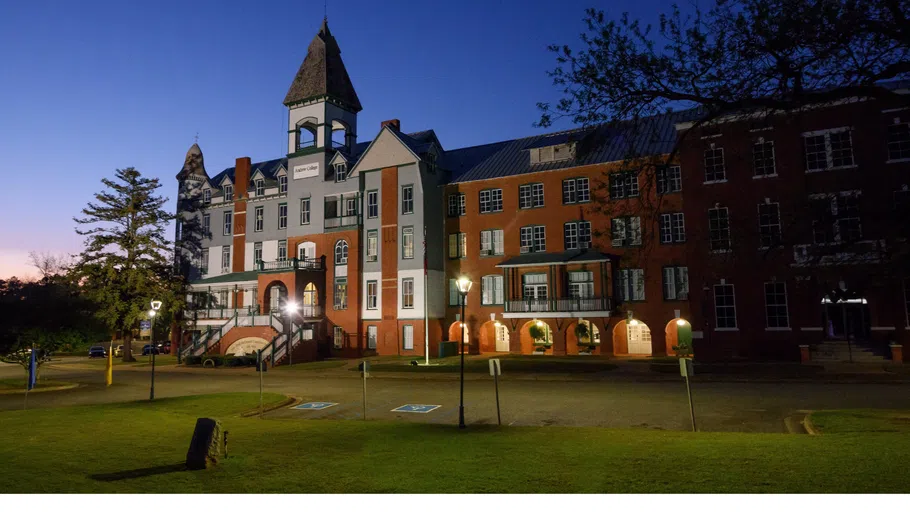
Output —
(341, 293)
(407, 293)
(899, 140)
(338, 337)
(719, 229)
(282, 216)
(225, 259)
(305, 211)
(258, 218)
(282, 184)
(228, 223)
(206, 224)
(228, 192)
(490, 200)
(828, 149)
(372, 245)
(456, 205)
(623, 184)
(372, 204)
(837, 217)
(458, 245)
(533, 239)
(625, 231)
(576, 190)
(372, 336)
(207, 196)
(491, 242)
(776, 305)
(454, 295)
(260, 187)
(763, 158)
(714, 165)
(672, 228)
(632, 284)
(204, 266)
(491, 290)
(577, 235)
(282, 250)
(257, 253)
(676, 283)
(530, 195)
(669, 180)
(407, 199)
(725, 306)
(372, 294)
(407, 243)
(768, 224)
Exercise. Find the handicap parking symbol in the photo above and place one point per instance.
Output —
(315, 406)
(419, 408)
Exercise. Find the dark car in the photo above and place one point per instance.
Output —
(97, 351)
(148, 350)
(165, 349)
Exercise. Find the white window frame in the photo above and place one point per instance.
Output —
(372, 245)
(625, 231)
(258, 218)
(257, 253)
(282, 250)
(407, 199)
(372, 294)
(457, 205)
(530, 195)
(206, 224)
(901, 150)
(282, 216)
(784, 304)
(338, 337)
(228, 191)
(372, 204)
(407, 242)
(632, 284)
(716, 161)
(624, 184)
(828, 149)
(672, 228)
(669, 180)
(341, 252)
(372, 336)
(533, 239)
(260, 187)
(726, 327)
(491, 290)
(207, 196)
(458, 242)
(581, 284)
(720, 244)
(760, 159)
(767, 225)
(490, 200)
(225, 259)
(407, 293)
(282, 184)
(228, 223)
(407, 337)
(304, 211)
(675, 283)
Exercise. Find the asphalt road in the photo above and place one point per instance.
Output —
(720, 406)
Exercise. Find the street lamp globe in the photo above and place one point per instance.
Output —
(156, 305)
(290, 307)
(152, 313)
(680, 322)
(464, 285)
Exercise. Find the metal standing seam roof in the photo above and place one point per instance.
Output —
(549, 258)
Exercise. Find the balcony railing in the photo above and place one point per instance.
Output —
(220, 313)
(292, 264)
(309, 311)
(557, 305)
(342, 222)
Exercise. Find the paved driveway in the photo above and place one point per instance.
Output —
(750, 406)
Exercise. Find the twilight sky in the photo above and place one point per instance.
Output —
(92, 86)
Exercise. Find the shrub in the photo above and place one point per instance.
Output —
(192, 360)
(539, 335)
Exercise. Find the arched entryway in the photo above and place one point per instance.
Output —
(590, 343)
(529, 344)
(276, 294)
(676, 331)
(494, 337)
(246, 346)
(632, 338)
(310, 298)
(454, 332)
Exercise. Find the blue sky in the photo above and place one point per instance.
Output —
(90, 87)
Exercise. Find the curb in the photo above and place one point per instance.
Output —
(809, 426)
(38, 390)
(291, 400)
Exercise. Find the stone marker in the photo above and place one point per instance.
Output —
(207, 445)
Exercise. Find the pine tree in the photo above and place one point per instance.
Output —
(125, 263)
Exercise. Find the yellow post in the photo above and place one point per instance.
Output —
(109, 368)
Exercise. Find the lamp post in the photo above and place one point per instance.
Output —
(289, 308)
(156, 305)
(464, 286)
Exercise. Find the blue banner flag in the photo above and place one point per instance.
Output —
(32, 370)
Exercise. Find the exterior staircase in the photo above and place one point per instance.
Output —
(207, 340)
(277, 351)
(838, 351)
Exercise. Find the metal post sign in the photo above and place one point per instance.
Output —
(365, 368)
(495, 368)
(686, 368)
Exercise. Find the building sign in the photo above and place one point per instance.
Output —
(306, 170)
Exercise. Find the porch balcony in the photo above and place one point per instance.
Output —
(317, 264)
(343, 222)
(568, 305)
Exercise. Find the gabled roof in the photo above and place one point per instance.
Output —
(600, 144)
(323, 73)
(269, 169)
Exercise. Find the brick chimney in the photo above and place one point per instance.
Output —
(394, 123)
(241, 183)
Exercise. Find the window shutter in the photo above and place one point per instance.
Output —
(635, 228)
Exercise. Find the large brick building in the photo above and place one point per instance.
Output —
(365, 240)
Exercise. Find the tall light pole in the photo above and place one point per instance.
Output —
(464, 286)
(290, 307)
(156, 305)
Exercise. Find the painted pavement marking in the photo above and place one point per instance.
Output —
(419, 408)
(315, 406)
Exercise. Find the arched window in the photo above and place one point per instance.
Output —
(339, 134)
(341, 253)
(306, 133)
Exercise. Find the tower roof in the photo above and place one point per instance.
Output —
(193, 163)
(323, 73)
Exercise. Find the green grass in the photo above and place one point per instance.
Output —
(861, 420)
(75, 449)
(509, 363)
(7, 384)
(314, 365)
(140, 361)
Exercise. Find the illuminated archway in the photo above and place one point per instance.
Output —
(591, 344)
(494, 337)
(453, 332)
(632, 338)
(528, 344)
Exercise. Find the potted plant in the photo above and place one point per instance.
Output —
(583, 334)
(541, 340)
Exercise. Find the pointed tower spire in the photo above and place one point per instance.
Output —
(323, 73)
(193, 164)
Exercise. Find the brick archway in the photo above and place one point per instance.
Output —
(265, 293)
(595, 332)
(527, 343)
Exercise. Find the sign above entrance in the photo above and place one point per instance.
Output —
(306, 170)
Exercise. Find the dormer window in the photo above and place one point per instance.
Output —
(282, 184)
(554, 153)
(341, 171)
(260, 187)
(207, 196)
(228, 192)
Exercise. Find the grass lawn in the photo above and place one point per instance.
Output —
(80, 449)
(314, 365)
(861, 420)
(509, 363)
(140, 361)
(6, 384)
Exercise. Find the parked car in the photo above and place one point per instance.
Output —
(165, 349)
(148, 350)
(118, 352)
(97, 351)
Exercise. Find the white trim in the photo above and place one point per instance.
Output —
(760, 176)
(897, 160)
(206, 286)
(842, 167)
(889, 110)
(703, 137)
(778, 329)
(880, 328)
(816, 133)
(715, 181)
(569, 314)
(817, 329)
(726, 329)
(557, 263)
